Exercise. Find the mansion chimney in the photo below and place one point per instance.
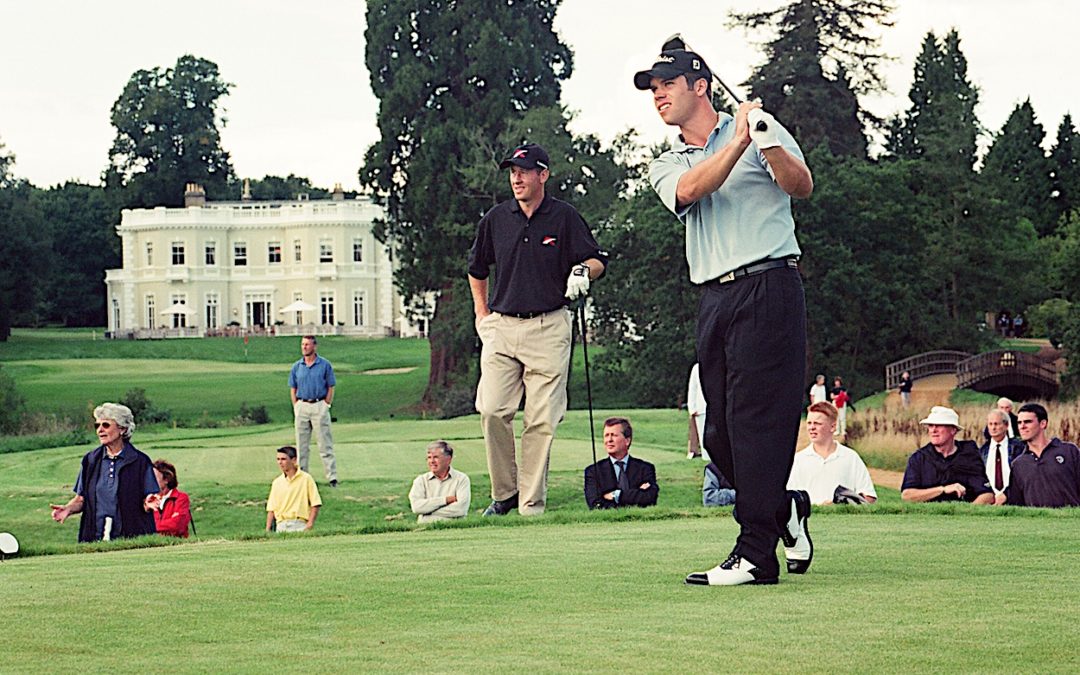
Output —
(338, 195)
(194, 195)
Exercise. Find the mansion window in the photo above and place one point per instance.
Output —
(178, 253)
(297, 250)
(150, 318)
(358, 250)
(179, 319)
(211, 254)
(149, 254)
(326, 252)
(326, 306)
(211, 310)
(358, 308)
(240, 254)
(273, 253)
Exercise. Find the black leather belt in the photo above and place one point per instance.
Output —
(755, 268)
(528, 315)
(311, 400)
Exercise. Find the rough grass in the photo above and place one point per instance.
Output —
(886, 437)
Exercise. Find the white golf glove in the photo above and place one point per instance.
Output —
(766, 138)
(577, 284)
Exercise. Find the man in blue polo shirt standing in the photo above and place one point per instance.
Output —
(311, 382)
(730, 181)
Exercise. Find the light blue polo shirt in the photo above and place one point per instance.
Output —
(314, 381)
(748, 219)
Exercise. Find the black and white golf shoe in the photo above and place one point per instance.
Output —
(798, 547)
(734, 571)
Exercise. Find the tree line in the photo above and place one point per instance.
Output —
(910, 239)
(57, 242)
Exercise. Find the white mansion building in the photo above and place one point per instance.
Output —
(284, 267)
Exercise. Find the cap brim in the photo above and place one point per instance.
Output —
(643, 79)
(522, 162)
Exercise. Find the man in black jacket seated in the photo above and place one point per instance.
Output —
(945, 469)
(620, 480)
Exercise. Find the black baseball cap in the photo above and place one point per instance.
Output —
(528, 156)
(672, 63)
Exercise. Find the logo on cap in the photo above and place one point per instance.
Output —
(1060, 459)
(520, 152)
(664, 58)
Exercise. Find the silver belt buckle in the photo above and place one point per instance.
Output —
(730, 276)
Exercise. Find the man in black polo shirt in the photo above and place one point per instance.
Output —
(544, 254)
(945, 469)
(1048, 474)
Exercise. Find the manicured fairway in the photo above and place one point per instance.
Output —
(893, 593)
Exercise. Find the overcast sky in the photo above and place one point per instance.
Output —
(303, 104)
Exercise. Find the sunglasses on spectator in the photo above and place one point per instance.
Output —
(102, 425)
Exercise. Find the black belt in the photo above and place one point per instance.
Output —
(311, 400)
(529, 315)
(755, 268)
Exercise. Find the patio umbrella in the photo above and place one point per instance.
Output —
(177, 308)
(296, 306)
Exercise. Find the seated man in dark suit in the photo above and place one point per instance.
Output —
(620, 480)
(999, 452)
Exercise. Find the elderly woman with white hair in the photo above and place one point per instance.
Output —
(114, 480)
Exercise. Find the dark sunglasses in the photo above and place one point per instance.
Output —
(102, 425)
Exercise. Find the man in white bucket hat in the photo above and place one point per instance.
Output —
(945, 469)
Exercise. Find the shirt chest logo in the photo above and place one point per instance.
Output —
(548, 241)
(1059, 459)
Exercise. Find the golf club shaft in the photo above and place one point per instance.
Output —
(588, 381)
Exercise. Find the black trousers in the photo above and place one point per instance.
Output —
(751, 344)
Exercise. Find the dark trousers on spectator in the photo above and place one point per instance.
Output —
(751, 344)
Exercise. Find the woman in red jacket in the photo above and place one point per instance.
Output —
(171, 508)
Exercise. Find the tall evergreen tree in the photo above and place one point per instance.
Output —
(1065, 166)
(82, 224)
(167, 134)
(940, 125)
(821, 59)
(23, 243)
(1018, 171)
(940, 130)
(449, 75)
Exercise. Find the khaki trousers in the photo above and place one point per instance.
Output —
(308, 417)
(529, 356)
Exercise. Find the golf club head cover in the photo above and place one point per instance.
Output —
(577, 284)
(763, 134)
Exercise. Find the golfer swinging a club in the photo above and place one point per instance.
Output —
(730, 181)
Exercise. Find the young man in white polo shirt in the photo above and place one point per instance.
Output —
(824, 465)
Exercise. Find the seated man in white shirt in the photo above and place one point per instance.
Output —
(825, 465)
(442, 493)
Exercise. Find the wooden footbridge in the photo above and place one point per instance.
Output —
(1021, 376)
